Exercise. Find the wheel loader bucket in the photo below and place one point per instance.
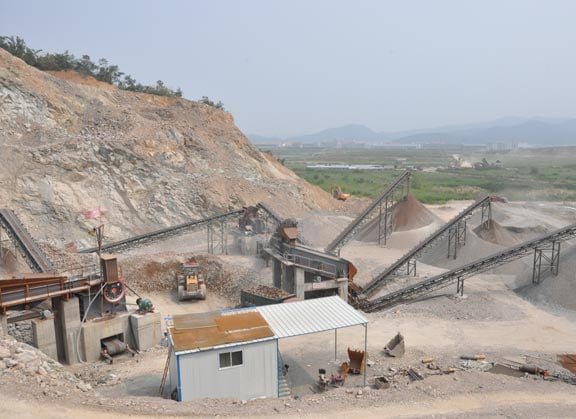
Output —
(356, 365)
(395, 347)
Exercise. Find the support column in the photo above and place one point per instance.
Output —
(299, 282)
(3, 324)
(365, 350)
(460, 287)
(486, 214)
(277, 273)
(284, 277)
(44, 337)
(68, 316)
(456, 238)
(343, 288)
(335, 344)
(550, 255)
(411, 267)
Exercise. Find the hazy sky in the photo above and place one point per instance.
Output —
(292, 67)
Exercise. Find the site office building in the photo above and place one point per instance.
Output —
(223, 354)
(234, 353)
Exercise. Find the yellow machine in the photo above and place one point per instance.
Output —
(191, 285)
(336, 191)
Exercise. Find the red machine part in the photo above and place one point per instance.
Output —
(113, 292)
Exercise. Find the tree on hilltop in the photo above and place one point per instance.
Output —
(18, 48)
(103, 71)
(205, 100)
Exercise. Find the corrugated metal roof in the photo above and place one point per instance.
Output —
(310, 316)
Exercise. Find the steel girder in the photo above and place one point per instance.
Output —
(165, 232)
(409, 259)
(375, 207)
(474, 268)
(217, 237)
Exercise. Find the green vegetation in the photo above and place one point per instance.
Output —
(207, 101)
(534, 174)
(102, 71)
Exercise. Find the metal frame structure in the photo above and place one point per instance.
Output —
(217, 237)
(456, 238)
(486, 214)
(551, 254)
(30, 288)
(165, 232)
(314, 316)
(382, 207)
(549, 242)
(409, 259)
(311, 260)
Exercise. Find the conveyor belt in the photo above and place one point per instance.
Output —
(164, 233)
(350, 231)
(481, 265)
(269, 212)
(35, 257)
(416, 251)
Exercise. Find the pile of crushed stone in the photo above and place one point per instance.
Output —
(555, 291)
(408, 214)
(319, 228)
(24, 365)
(475, 248)
(493, 232)
(146, 275)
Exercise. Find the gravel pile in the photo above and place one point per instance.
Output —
(222, 278)
(21, 331)
(41, 376)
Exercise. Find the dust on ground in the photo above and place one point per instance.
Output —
(492, 318)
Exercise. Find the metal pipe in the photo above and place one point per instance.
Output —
(51, 294)
(365, 350)
(335, 343)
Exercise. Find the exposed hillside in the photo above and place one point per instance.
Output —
(70, 143)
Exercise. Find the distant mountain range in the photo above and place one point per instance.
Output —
(532, 131)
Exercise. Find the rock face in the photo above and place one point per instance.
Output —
(70, 143)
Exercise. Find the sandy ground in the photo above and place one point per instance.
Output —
(492, 318)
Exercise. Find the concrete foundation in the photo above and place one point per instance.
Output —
(94, 331)
(292, 278)
(277, 273)
(147, 330)
(139, 331)
(299, 275)
(338, 285)
(44, 337)
(67, 318)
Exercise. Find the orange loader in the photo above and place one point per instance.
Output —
(336, 191)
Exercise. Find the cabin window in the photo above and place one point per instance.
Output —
(231, 359)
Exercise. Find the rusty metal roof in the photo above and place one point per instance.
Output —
(310, 316)
(201, 331)
(568, 361)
